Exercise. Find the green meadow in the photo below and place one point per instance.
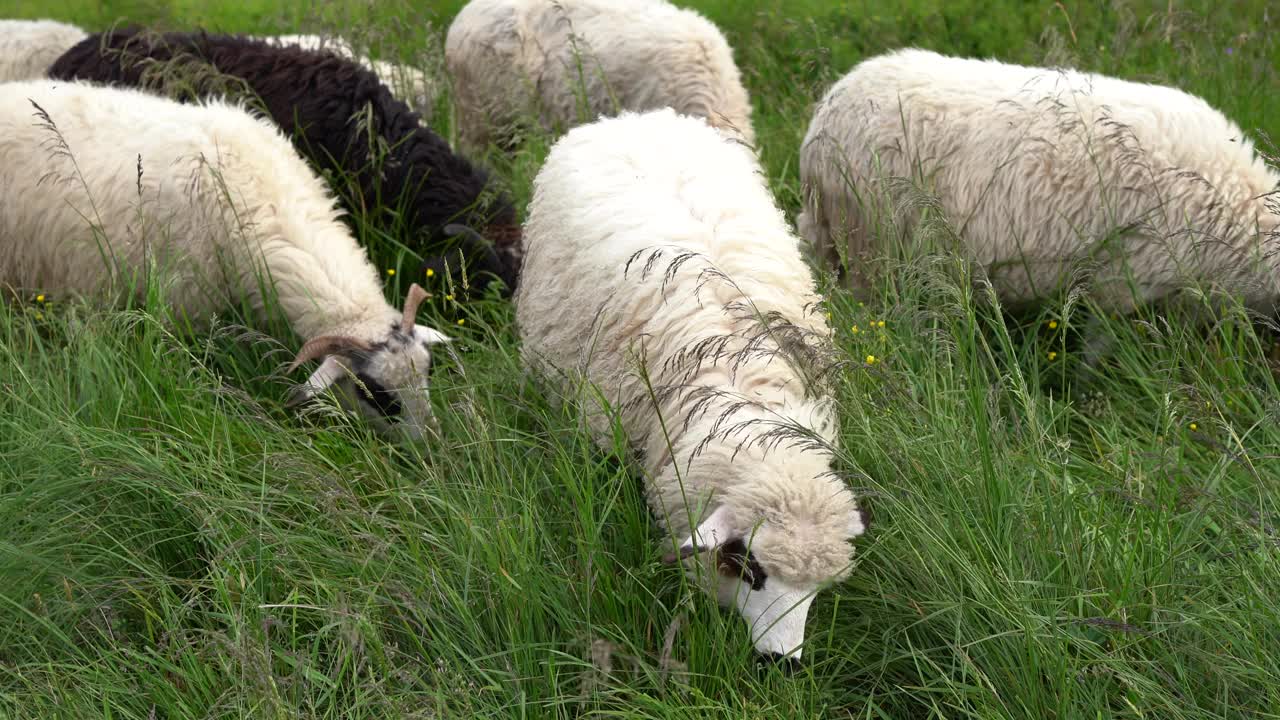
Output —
(1051, 537)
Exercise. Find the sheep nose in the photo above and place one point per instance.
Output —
(789, 664)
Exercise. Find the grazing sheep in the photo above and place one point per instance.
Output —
(1038, 170)
(658, 260)
(29, 47)
(419, 88)
(330, 106)
(570, 61)
(108, 191)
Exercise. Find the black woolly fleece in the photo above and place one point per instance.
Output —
(319, 99)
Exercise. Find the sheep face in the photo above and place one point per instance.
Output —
(774, 604)
(384, 381)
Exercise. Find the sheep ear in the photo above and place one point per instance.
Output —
(714, 531)
(430, 335)
(329, 372)
(858, 522)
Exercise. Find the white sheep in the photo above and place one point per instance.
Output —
(570, 61)
(413, 85)
(108, 191)
(1038, 171)
(657, 260)
(29, 47)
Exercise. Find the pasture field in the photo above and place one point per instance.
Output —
(1049, 539)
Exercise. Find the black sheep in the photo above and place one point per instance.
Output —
(342, 119)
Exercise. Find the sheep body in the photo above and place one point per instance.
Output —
(29, 47)
(330, 106)
(1037, 169)
(566, 61)
(108, 191)
(653, 236)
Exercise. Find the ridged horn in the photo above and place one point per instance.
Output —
(411, 303)
(323, 345)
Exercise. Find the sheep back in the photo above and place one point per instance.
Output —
(107, 189)
(570, 61)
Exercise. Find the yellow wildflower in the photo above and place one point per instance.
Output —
(880, 323)
(871, 359)
(854, 329)
(1052, 355)
(1194, 426)
(391, 271)
(40, 298)
(430, 272)
(39, 316)
(461, 321)
(449, 297)
(1053, 324)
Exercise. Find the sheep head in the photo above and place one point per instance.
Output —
(773, 597)
(478, 257)
(384, 380)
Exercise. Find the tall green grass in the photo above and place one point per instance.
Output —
(1050, 539)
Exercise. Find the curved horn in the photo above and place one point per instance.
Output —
(411, 303)
(326, 345)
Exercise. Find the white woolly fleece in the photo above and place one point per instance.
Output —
(1035, 168)
(29, 47)
(595, 299)
(560, 60)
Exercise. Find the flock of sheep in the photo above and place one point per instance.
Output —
(656, 281)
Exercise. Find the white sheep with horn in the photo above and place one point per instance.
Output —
(108, 191)
(661, 277)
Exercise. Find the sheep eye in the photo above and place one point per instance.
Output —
(373, 392)
(734, 560)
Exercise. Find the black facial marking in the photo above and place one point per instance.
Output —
(865, 514)
(733, 560)
(378, 396)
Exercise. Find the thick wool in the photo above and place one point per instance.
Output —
(330, 106)
(29, 47)
(111, 191)
(570, 61)
(1040, 170)
(417, 87)
(656, 257)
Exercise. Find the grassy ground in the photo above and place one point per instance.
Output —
(1049, 540)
